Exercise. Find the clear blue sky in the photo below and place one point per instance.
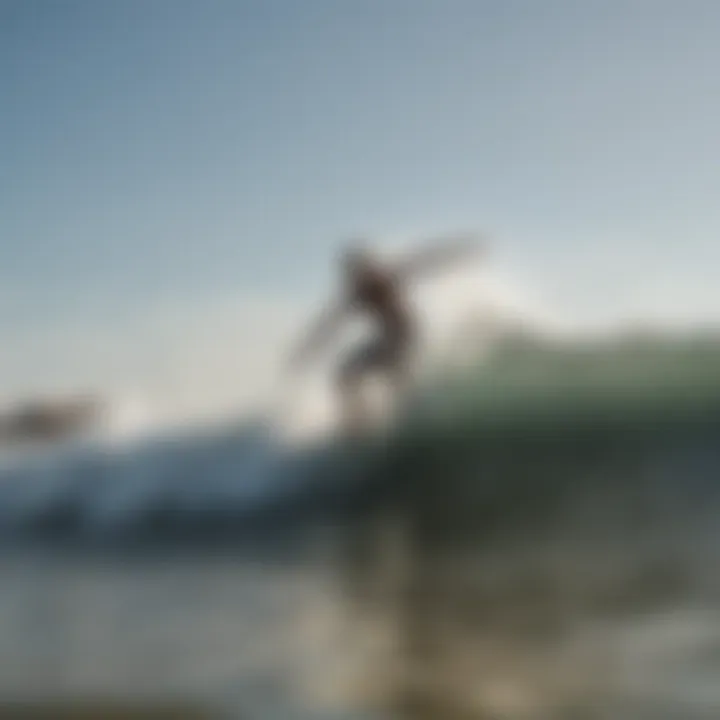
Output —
(167, 153)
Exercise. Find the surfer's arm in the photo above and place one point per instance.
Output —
(440, 256)
(320, 333)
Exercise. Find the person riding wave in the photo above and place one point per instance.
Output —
(378, 290)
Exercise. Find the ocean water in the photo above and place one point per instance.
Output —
(537, 540)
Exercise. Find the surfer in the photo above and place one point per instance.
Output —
(377, 290)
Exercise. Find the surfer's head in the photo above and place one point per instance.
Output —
(357, 260)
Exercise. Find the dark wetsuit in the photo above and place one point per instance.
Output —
(379, 296)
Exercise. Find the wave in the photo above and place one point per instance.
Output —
(586, 405)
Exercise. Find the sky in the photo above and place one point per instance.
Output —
(175, 175)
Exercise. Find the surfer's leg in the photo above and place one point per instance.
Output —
(350, 378)
(399, 380)
(397, 365)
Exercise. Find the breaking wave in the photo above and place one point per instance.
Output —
(221, 482)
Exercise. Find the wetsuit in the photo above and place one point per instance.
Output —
(378, 295)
